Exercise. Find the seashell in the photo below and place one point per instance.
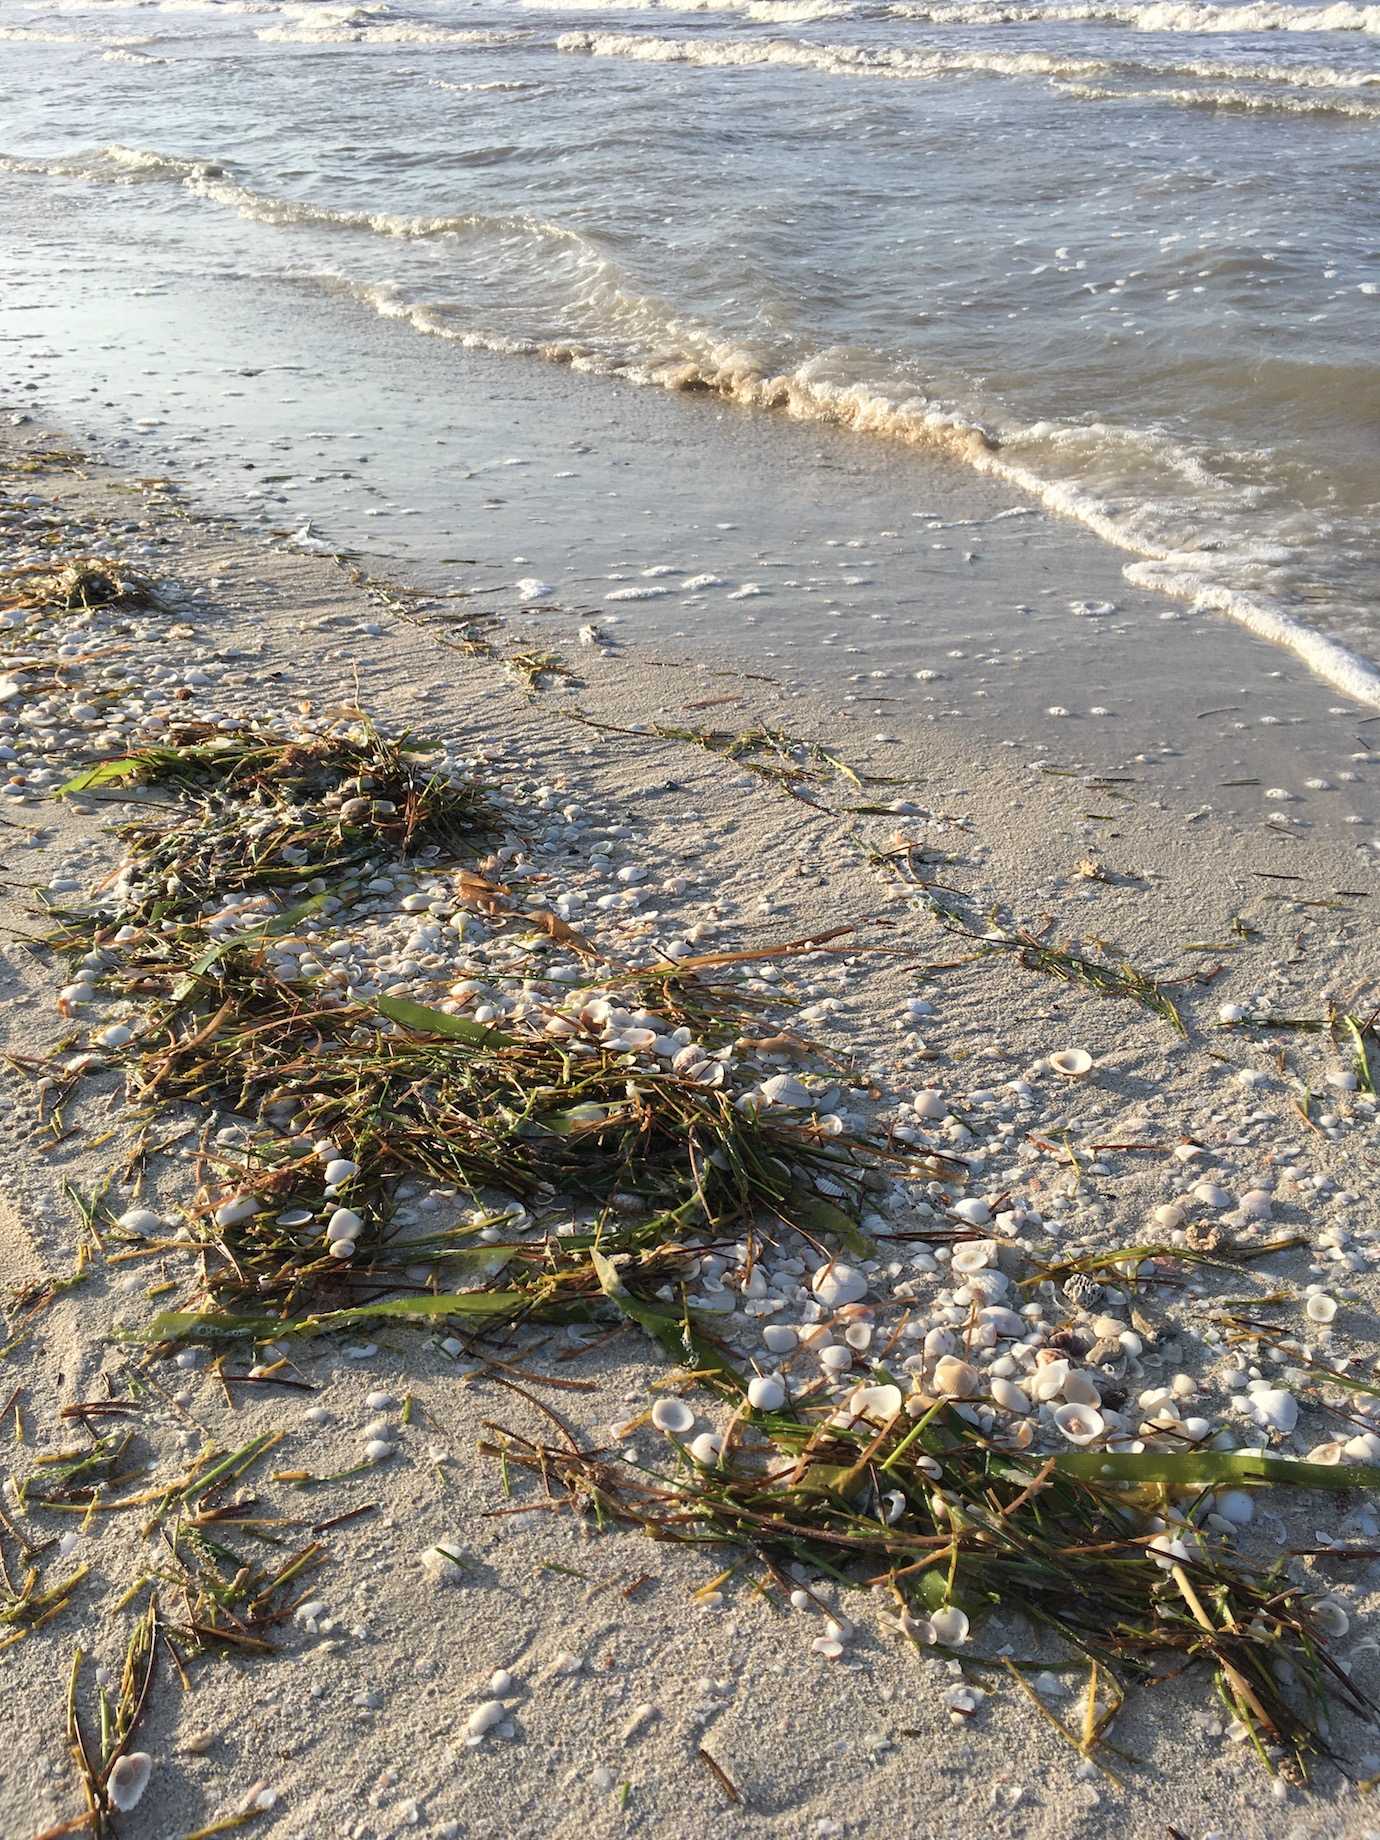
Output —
(785, 1089)
(705, 1449)
(141, 1221)
(379, 1450)
(673, 1417)
(501, 1684)
(974, 1212)
(766, 1393)
(1079, 1390)
(294, 1217)
(442, 1563)
(950, 1626)
(1081, 1289)
(1080, 1424)
(1168, 1216)
(780, 1338)
(1329, 1453)
(1274, 1409)
(974, 1255)
(1320, 1308)
(1331, 1616)
(836, 1284)
(238, 1208)
(930, 1103)
(955, 1379)
(881, 1403)
(128, 1779)
(1230, 1013)
(1047, 1382)
(486, 1715)
(1236, 1506)
(339, 1170)
(1009, 1396)
(1256, 1203)
(1105, 1351)
(344, 1223)
(1073, 1063)
(1212, 1196)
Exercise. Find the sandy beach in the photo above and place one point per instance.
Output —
(1049, 992)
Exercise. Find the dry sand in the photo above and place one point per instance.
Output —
(358, 1727)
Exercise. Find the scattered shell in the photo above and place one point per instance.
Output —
(1073, 1063)
(950, 1626)
(1275, 1409)
(766, 1393)
(836, 1284)
(339, 1170)
(141, 1221)
(673, 1417)
(486, 1715)
(1320, 1309)
(1080, 1424)
(878, 1402)
(442, 1563)
(128, 1779)
(930, 1103)
(955, 1379)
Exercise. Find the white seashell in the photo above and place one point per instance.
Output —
(955, 1379)
(141, 1221)
(673, 1417)
(1048, 1379)
(339, 1170)
(1256, 1203)
(128, 1779)
(1320, 1309)
(836, 1284)
(1329, 1453)
(1230, 1012)
(238, 1208)
(116, 1036)
(974, 1212)
(1274, 1409)
(930, 1103)
(974, 1255)
(378, 1450)
(1080, 1390)
(344, 1223)
(1236, 1506)
(1341, 1077)
(766, 1393)
(501, 1684)
(341, 1249)
(1331, 1616)
(1212, 1196)
(785, 1089)
(1168, 1216)
(485, 1716)
(1080, 1424)
(878, 1402)
(442, 1564)
(295, 1217)
(950, 1626)
(380, 1401)
(1009, 1396)
(705, 1449)
(1073, 1063)
(780, 1338)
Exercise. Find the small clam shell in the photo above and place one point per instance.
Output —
(1073, 1063)
(128, 1779)
(1320, 1309)
(1080, 1424)
(673, 1416)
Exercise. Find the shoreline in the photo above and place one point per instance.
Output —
(361, 1725)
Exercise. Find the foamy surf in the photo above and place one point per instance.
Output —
(1167, 16)
(897, 64)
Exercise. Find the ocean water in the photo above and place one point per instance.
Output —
(1119, 262)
